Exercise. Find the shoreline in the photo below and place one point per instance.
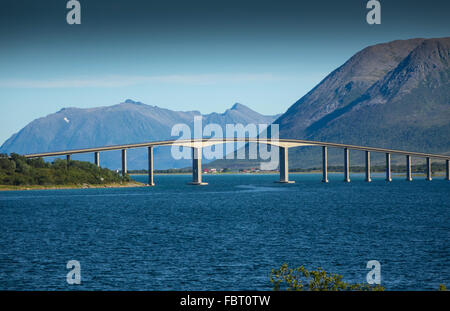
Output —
(133, 184)
(136, 184)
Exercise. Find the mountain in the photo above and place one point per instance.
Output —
(344, 85)
(394, 95)
(125, 123)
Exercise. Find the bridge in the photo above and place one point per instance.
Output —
(283, 144)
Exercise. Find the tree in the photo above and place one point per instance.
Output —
(300, 279)
(18, 170)
(7, 166)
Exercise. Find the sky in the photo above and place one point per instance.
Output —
(187, 55)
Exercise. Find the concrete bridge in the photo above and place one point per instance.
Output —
(283, 144)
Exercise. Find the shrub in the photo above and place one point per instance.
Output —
(18, 170)
(300, 279)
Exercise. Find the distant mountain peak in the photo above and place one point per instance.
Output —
(238, 106)
(130, 101)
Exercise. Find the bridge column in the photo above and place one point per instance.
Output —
(197, 167)
(447, 169)
(150, 166)
(97, 159)
(284, 166)
(124, 162)
(388, 167)
(408, 168)
(324, 164)
(346, 165)
(368, 179)
(68, 158)
(428, 169)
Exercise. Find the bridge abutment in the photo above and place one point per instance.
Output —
(408, 168)
(346, 165)
(124, 162)
(447, 169)
(428, 169)
(284, 166)
(388, 167)
(150, 167)
(324, 164)
(197, 167)
(97, 159)
(368, 179)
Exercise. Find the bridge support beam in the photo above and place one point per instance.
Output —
(68, 157)
(368, 179)
(447, 169)
(284, 166)
(388, 167)
(346, 165)
(150, 167)
(408, 168)
(124, 162)
(97, 159)
(197, 167)
(428, 169)
(324, 164)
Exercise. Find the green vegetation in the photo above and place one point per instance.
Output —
(17, 170)
(300, 279)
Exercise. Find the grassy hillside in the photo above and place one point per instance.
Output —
(20, 171)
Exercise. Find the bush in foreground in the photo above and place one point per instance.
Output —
(301, 279)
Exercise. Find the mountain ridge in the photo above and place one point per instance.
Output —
(124, 123)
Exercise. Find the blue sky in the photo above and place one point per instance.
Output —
(187, 55)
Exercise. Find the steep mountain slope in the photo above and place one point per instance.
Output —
(408, 109)
(344, 85)
(392, 95)
(128, 122)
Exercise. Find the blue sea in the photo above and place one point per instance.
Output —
(228, 235)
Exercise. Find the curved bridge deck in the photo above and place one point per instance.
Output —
(283, 144)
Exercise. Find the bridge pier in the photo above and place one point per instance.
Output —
(346, 165)
(408, 168)
(150, 166)
(124, 162)
(284, 166)
(97, 158)
(388, 167)
(428, 169)
(68, 157)
(447, 170)
(368, 179)
(197, 167)
(324, 164)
